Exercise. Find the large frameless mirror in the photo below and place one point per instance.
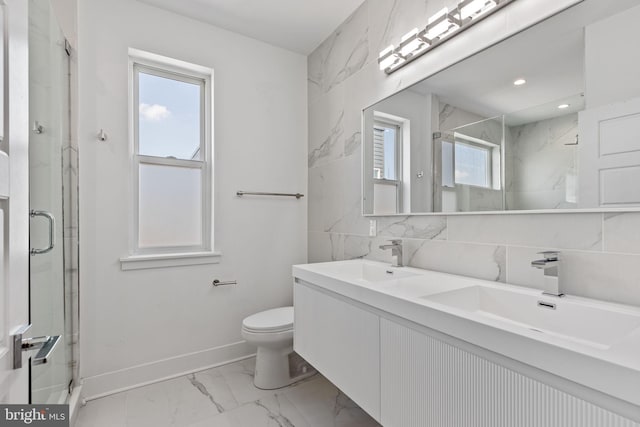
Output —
(547, 119)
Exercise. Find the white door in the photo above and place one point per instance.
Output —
(14, 195)
(609, 155)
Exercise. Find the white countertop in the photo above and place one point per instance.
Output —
(612, 369)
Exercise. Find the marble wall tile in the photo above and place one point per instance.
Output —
(366, 247)
(580, 231)
(604, 276)
(327, 184)
(474, 260)
(315, 189)
(417, 227)
(610, 277)
(324, 247)
(352, 220)
(335, 198)
(519, 270)
(342, 54)
(326, 128)
(622, 232)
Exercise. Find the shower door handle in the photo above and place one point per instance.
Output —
(52, 234)
(45, 346)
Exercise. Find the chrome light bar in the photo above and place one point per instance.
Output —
(440, 27)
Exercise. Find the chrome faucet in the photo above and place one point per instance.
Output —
(396, 251)
(550, 263)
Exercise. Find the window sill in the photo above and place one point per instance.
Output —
(140, 262)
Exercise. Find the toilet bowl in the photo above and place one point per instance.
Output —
(276, 363)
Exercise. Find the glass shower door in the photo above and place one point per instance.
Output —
(49, 116)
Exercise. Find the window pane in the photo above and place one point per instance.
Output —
(385, 199)
(169, 117)
(472, 165)
(170, 206)
(384, 152)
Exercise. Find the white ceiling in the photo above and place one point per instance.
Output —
(297, 25)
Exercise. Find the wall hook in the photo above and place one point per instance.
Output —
(37, 127)
(102, 135)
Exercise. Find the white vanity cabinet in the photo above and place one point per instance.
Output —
(341, 341)
(429, 382)
(408, 374)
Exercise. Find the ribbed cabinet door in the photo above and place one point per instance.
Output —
(429, 383)
(342, 342)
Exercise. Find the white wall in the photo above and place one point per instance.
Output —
(612, 69)
(141, 325)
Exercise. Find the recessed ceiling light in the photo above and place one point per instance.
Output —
(563, 106)
(519, 82)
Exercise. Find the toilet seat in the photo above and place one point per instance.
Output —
(270, 321)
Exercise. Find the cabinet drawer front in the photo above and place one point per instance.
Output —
(427, 382)
(342, 342)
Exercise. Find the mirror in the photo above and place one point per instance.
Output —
(547, 119)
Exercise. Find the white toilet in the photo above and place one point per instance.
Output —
(276, 364)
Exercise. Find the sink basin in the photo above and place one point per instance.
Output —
(368, 271)
(589, 324)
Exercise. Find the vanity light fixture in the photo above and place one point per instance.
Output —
(471, 8)
(563, 106)
(440, 27)
(519, 82)
(413, 42)
(389, 58)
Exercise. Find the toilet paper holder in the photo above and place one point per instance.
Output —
(217, 282)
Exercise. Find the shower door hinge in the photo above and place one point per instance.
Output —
(437, 135)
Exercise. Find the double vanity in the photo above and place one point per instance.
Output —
(420, 348)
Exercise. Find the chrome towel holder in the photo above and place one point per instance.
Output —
(254, 193)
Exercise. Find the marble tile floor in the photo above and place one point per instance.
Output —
(226, 397)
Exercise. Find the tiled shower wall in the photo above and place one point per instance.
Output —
(601, 251)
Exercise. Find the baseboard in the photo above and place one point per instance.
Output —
(125, 379)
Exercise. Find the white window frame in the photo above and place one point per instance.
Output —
(165, 256)
(493, 159)
(384, 122)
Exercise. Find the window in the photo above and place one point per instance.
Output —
(473, 164)
(385, 151)
(470, 161)
(387, 165)
(172, 157)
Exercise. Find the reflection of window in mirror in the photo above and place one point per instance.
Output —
(387, 165)
(470, 161)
